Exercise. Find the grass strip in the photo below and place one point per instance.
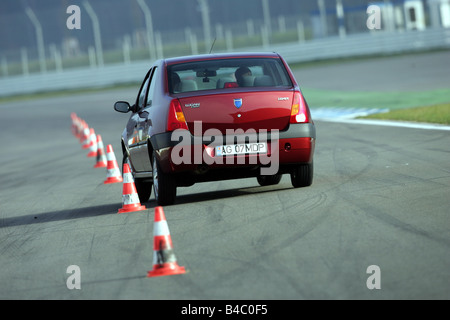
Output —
(431, 114)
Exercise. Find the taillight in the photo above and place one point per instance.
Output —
(300, 110)
(176, 118)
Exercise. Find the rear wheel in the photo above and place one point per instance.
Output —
(164, 184)
(269, 180)
(302, 176)
(143, 187)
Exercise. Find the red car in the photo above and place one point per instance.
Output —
(216, 117)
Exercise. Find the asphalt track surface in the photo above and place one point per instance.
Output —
(380, 197)
(412, 72)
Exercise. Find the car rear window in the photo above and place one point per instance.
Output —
(224, 74)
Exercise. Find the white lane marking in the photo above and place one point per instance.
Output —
(348, 115)
(414, 125)
(343, 113)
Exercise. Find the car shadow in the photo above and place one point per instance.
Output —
(59, 215)
(224, 194)
(112, 208)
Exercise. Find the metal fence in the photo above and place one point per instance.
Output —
(375, 43)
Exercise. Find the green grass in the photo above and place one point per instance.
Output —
(425, 106)
(381, 100)
(432, 114)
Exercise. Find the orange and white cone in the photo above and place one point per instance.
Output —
(164, 260)
(130, 198)
(75, 125)
(79, 128)
(81, 125)
(92, 144)
(101, 157)
(85, 136)
(112, 169)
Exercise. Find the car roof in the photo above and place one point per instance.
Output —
(215, 56)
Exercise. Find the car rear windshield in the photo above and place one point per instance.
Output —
(227, 73)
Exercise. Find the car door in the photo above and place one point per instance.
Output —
(137, 136)
(146, 122)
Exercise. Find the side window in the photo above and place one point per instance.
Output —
(143, 93)
(151, 90)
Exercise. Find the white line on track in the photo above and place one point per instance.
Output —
(428, 126)
(343, 113)
(349, 115)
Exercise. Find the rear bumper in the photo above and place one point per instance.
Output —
(183, 152)
(300, 130)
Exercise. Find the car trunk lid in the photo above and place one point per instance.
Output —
(257, 110)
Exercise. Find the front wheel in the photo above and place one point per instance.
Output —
(302, 176)
(164, 185)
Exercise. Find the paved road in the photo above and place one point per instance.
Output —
(379, 197)
(409, 73)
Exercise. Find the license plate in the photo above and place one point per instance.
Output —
(245, 148)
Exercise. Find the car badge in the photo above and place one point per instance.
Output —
(192, 105)
(238, 103)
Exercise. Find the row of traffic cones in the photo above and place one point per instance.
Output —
(164, 260)
(89, 140)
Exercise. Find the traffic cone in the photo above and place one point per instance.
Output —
(164, 260)
(75, 125)
(82, 125)
(101, 157)
(92, 144)
(130, 198)
(85, 136)
(112, 169)
(78, 127)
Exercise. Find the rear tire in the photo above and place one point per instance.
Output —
(302, 176)
(164, 184)
(269, 180)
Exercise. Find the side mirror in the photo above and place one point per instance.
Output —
(122, 106)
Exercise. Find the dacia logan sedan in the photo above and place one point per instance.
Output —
(215, 117)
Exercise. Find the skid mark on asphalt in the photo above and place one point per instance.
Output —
(390, 220)
(266, 245)
(352, 164)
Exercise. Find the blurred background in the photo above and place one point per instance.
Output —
(50, 45)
